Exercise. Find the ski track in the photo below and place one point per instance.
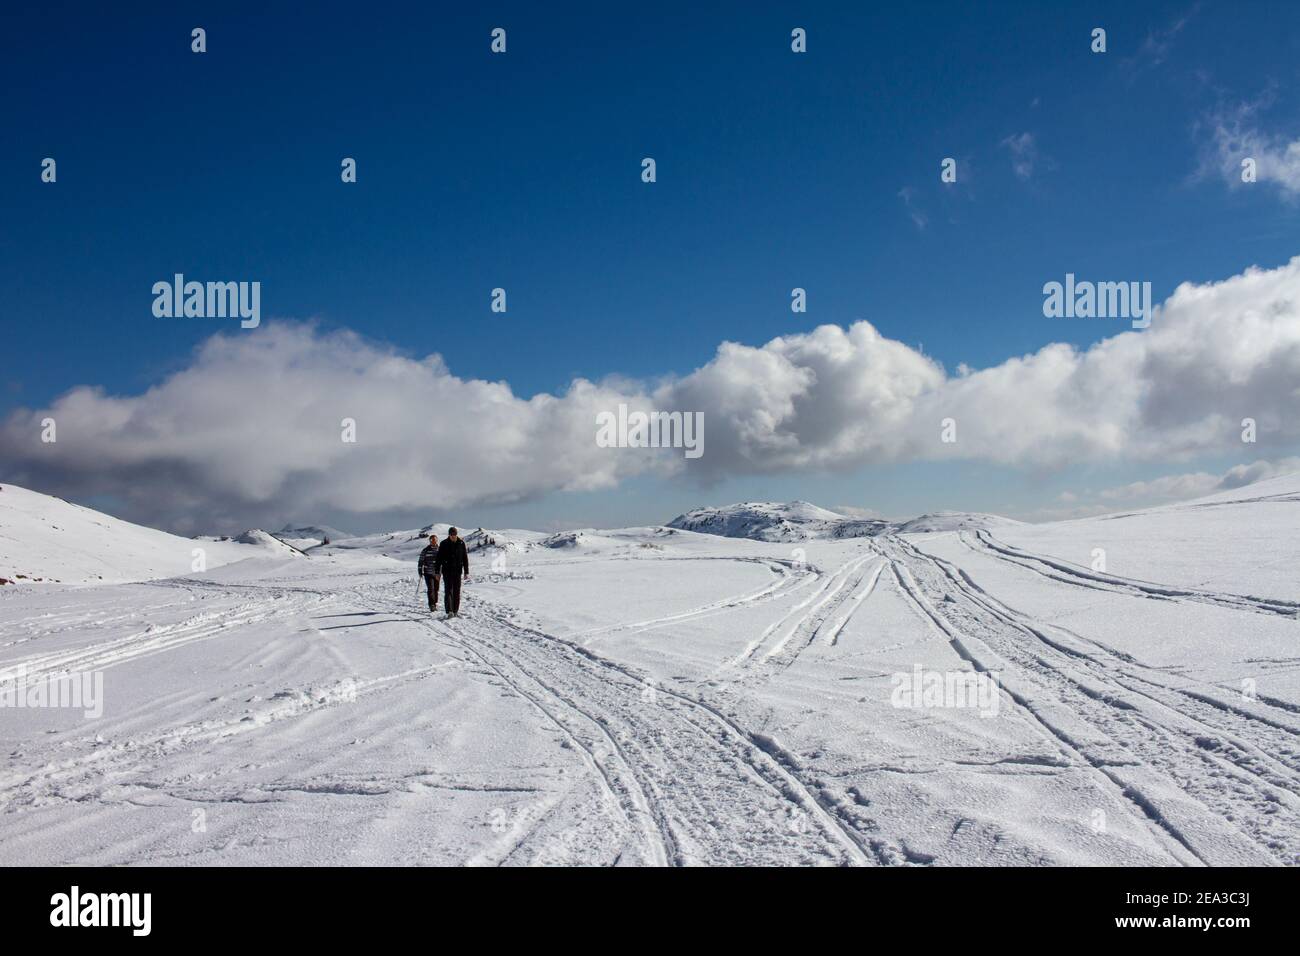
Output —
(799, 627)
(56, 777)
(151, 640)
(692, 785)
(862, 592)
(786, 582)
(1065, 573)
(1225, 799)
(1215, 779)
(268, 602)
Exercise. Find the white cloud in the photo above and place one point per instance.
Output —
(1236, 135)
(827, 399)
(1059, 514)
(1166, 487)
(1024, 154)
(1200, 483)
(256, 418)
(853, 511)
(1158, 43)
(253, 422)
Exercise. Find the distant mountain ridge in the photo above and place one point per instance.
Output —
(803, 521)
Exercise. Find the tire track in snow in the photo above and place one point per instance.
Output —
(1261, 737)
(131, 647)
(272, 600)
(599, 750)
(812, 621)
(1273, 721)
(787, 582)
(1050, 729)
(717, 793)
(1065, 573)
(828, 596)
(1261, 716)
(855, 602)
(125, 755)
(1155, 754)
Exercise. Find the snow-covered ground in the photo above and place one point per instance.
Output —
(49, 540)
(661, 695)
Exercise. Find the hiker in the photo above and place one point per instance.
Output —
(452, 562)
(428, 569)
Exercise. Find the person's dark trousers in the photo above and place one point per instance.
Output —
(452, 590)
(431, 582)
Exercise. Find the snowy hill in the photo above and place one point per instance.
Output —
(1236, 540)
(48, 540)
(309, 536)
(776, 521)
(953, 521)
(407, 545)
(801, 521)
(1282, 488)
(267, 541)
(400, 545)
(484, 539)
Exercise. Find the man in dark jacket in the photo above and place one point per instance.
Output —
(428, 569)
(451, 563)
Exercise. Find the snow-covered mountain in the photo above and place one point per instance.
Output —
(565, 539)
(776, 521)
(267, 541)
(44, 539)
(406, 545)
(481, 539)
(264, 541)
(309, 536)
(801, 521)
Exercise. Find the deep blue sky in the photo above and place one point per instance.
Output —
(522, 171)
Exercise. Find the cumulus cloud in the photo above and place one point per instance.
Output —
(827, 399)
(253, 423)
(257, 418)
